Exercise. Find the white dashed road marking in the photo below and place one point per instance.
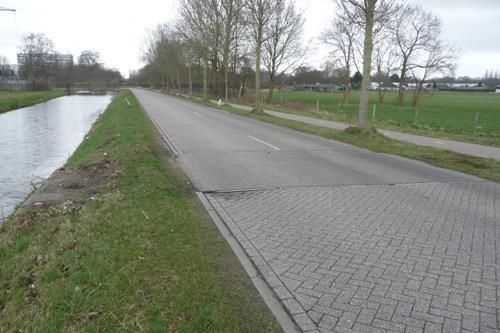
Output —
(263, 142)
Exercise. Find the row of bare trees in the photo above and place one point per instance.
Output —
(405, 40)
(222, 45)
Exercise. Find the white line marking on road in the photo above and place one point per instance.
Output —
(263, 142)
(196, 113)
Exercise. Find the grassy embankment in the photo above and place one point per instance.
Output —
(370, 139)
(440, 114)
(10, 100)
(140, 255)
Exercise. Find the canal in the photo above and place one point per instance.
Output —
(36, 140)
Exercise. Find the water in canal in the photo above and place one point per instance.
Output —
(36, 140)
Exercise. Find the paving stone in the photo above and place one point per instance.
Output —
(415, 257)
(433, 328)
(328, 322)
(304, 322)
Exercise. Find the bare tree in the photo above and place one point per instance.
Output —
(362, 13)
(283, 49)
(385, 59)
(229, 12)
(165, 51)
(260, 13)
(341, 36)
(368, 15)
(90, 59)
(414, 31)
(201, 31)
(35, 50)
(436, 58)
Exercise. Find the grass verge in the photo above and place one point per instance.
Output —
(19, 99)
(441, 114)
(371, 140)
(137, 255)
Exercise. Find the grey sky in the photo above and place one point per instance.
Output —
(116, 28)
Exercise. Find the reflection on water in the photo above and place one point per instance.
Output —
(36, 140)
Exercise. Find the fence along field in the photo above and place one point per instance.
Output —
(468, 116)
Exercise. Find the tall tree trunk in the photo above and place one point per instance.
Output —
(402, 80)
(381, 94)
(190, 80)
(240, 90)
(226, 85)
(367, 62)
(178, 81)
(347, 85)
(272, 85)
(205, 78)
(416, 94)
(258, 49)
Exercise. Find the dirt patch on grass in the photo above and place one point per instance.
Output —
(362, 131)
(65, 188)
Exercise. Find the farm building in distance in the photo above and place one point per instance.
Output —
(318, 87)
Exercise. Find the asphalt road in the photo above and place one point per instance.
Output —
(221, 151)
(347, 240)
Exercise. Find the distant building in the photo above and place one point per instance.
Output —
(384, 85)
(8, 71)
(497, 89)
(319, 87)
(49, 58)
(43, 71)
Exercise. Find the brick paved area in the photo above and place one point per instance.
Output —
(403, 258)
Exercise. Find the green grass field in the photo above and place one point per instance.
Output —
(440, 114)
(139, 256)
(10, 100)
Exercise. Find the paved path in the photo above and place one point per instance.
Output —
(456, 146)
(348, 240)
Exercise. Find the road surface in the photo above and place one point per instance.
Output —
(348, 239)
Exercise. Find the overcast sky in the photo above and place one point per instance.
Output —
(116, 28)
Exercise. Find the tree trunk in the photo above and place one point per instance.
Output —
(205, 79)
(190, 80)
(345, 98)
(347, 83)
(271, 91)
(402, 80)
(178, 81)
(416, 94)
(258, 48)
(367, 62)
(226, 86)
(381, 94)
(240, 90)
